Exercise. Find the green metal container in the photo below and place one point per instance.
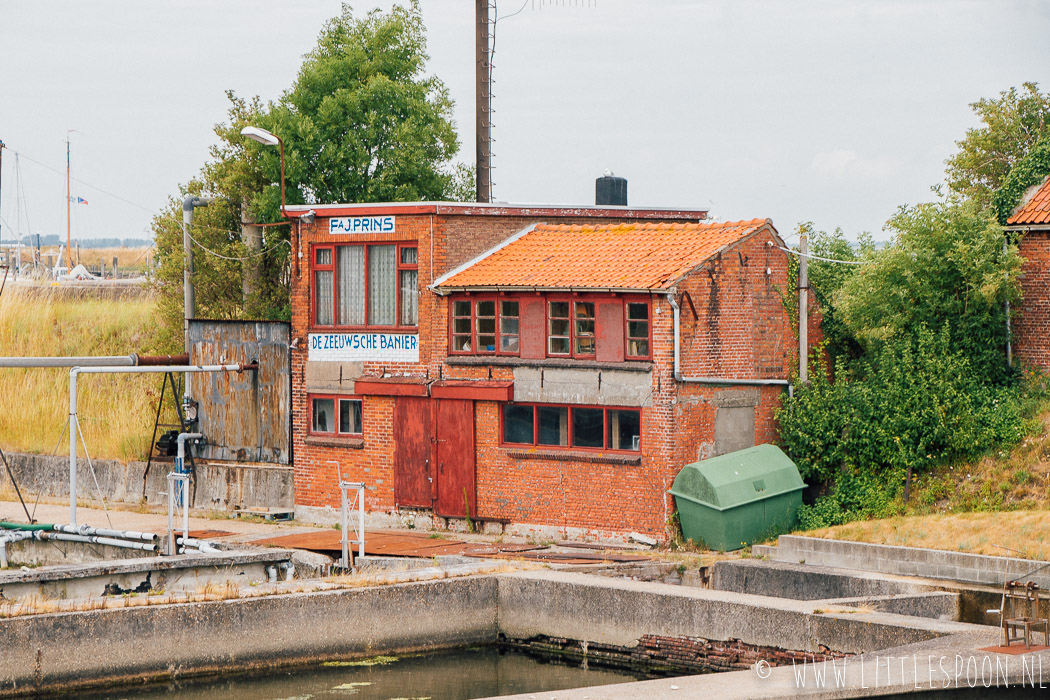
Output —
(734, 499)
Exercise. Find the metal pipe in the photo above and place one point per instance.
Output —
(726, 381)
(132, 360)
(120, 370)
(204, 547)
(109, 541)
(103, 532)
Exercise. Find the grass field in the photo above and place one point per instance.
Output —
(116, 412)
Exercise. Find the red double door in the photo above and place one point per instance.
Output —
(434, 455)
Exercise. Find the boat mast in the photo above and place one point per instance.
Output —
(69, 255)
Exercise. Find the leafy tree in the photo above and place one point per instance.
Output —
(827, 278)
(361, 123)
(1029, 172)
(946, 266)
(1012, 124)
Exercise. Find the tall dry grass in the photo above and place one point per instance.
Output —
(116, 412)
(128, 259)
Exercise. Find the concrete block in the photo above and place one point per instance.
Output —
(582, 386)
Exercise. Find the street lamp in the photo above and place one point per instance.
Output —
(267, 139)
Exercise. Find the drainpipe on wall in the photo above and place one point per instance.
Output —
(710, 380)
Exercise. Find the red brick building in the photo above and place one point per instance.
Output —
(1031, 220)
(548, 369)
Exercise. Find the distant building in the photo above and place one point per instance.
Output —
(1031, 219)
(517, 365)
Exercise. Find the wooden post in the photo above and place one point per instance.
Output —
(483, 100)
(803, 310)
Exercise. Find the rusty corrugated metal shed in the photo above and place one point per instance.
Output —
(245, 417)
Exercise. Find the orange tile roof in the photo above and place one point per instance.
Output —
(611, 256)
(1036, 210)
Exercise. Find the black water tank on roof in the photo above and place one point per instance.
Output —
(610, 190)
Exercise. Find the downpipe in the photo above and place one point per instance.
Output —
(723, 381)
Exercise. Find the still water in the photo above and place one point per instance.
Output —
(453, 675)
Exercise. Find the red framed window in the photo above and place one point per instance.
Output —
(637, 332)
(335, 415)
(570, 328)
(484, 325)
(571, 427)
(365, 286)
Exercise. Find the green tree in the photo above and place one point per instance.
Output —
(1011, 125)
(827, 278)
(361, 123)
(1029, 172)
(946, 265)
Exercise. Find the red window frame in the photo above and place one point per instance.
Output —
(595, 299)
(334, 269)
(574, 334)
(627, 337)
(569, 437)
(334, 432)
(475, 345)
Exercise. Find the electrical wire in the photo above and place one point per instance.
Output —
(817, 257)
(85, 184)
(247, 257)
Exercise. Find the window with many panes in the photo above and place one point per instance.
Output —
(585, 427)
(335, 415)
(491, 325)
(366, 285)
(485, 326)
(570, 329)
(637, 332)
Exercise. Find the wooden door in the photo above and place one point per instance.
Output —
(412, 473)
(456, 478)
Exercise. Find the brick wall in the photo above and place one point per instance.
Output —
(740, 330)
(656, 656)
(1032, 321)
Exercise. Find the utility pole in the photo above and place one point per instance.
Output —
(188, 301)
(483, 99)
(803, 309)
(1, 186)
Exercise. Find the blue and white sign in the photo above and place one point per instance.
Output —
(361, 224)
(363, 347)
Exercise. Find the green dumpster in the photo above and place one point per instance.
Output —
(731, 500)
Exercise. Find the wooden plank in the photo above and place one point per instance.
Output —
(533, 328)
(610, 331)
(456, 477)
(412, 452)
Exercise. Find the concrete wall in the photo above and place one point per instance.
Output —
(50, 651)
(170, 574)
(798, 582)
(909, 561)
(618, 612)
(220, 486)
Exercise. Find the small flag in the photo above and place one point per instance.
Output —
(78, 200)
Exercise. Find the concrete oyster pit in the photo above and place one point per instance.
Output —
(56, 651)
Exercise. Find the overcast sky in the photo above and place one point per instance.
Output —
(834, 112)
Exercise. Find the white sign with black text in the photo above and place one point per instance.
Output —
(360, 224)
(363, 347)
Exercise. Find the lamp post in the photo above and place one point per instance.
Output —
(267, 139)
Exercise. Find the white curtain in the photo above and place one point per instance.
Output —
(409, 297)
(351, 285)
(382, 285)
(323, 301)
